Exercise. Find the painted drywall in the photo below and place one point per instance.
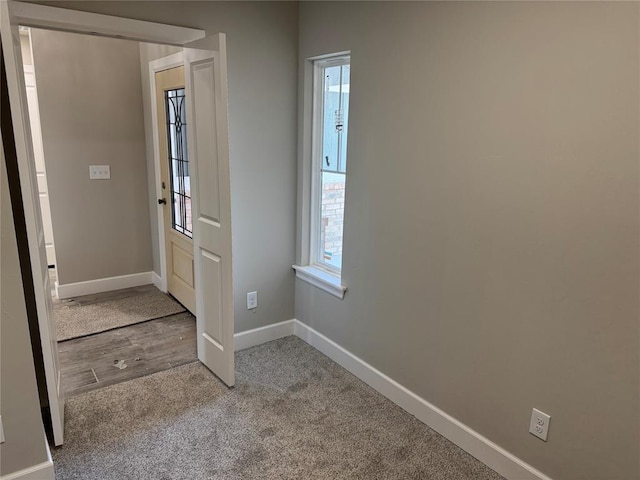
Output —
(24, 444)
(491, 218)
(90, 99)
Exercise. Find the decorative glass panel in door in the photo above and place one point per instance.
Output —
(178, 161)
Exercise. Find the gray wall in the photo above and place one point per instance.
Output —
(491, 230)
(90, 99)
(19, 404)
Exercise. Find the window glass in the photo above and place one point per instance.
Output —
(333, 130)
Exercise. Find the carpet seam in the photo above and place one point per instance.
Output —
(122, 326)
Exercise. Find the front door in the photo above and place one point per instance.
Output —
(176, 185)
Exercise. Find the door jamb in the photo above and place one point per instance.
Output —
(158, 65)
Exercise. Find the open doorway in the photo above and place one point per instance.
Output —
(205, 91)
(106, 332)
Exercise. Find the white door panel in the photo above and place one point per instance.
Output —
(206, 92)
(31, 202)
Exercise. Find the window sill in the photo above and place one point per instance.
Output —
(324, 280)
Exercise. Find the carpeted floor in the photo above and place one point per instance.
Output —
(98, 313)
(294, 414)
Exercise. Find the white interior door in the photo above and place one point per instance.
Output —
(38, 153)
(31, 202)
(208, 144)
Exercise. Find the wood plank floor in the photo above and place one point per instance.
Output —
(106, 358)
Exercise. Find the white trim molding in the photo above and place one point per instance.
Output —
(258, 336)
(158, 65)
(324, 280)
(157, 281)
(103, 284)
(54, 18)
(492, 455)
(41, 471)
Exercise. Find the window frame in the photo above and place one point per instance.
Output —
(310, 270)
(317, 139)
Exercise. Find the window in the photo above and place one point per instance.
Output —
(330, 126)
(178, 162)
(330, 160)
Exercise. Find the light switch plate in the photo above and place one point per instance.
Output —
(252, 300)
(1, 431)
(99, 172)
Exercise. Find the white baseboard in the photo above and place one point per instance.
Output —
(258, 336)
(492, 455)
(41, 471)
(103, 285)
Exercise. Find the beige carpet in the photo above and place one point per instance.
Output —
(97, 313)
(293, 415)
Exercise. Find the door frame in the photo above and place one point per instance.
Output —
(164, 63)
(73, 21)
(30, 70)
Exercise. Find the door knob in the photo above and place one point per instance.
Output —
(162, 201)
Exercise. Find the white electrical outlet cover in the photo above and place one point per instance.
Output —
(539, 425)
